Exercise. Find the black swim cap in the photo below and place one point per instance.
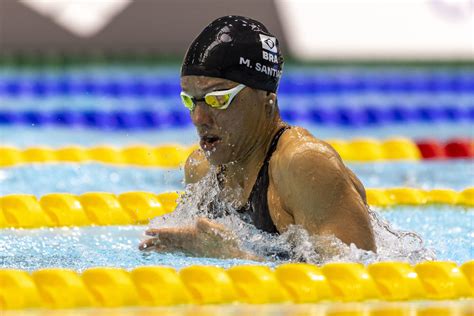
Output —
(236, 48)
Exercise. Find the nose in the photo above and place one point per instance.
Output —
(202, 116)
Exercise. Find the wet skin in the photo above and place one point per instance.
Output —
(309, 184)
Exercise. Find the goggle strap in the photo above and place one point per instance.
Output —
(233, 91)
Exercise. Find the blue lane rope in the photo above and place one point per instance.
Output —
(139, 87)
(153, 119)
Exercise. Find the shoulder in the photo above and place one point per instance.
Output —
(196, 166)
(298, 152)
(306, 168)
(310, 177)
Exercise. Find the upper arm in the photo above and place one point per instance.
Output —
(196, 167)
(317, 190)
(312, 182)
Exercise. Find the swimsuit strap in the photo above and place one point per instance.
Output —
(257, 205)
(256, 210)
(274, 142)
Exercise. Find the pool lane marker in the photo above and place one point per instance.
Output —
(454, 148)
(22, 79)
(132, 208)
(175, 155)
(165, 156)
(249, 284)
(342, 115)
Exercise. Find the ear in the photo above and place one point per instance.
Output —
(270, 102)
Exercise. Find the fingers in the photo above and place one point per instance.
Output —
(169, 239)
(152, 231)
(175, 236)
(151, 244)
(190, 239)
(166, 230)
(146, 244)
(202, 223)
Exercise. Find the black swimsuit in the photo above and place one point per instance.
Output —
(256, 210)
(257, 206)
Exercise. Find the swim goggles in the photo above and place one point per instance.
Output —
(216, 99)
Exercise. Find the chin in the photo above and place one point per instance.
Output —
(217, 158)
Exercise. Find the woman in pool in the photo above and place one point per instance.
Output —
(283, 175)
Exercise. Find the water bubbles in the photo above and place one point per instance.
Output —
(399, 245)
(206, 199)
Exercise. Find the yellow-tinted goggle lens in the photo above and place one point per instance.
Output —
(217, 101)
(187, 101)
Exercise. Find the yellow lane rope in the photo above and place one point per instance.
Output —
(103, 208)
(251, 284)
(174, 155)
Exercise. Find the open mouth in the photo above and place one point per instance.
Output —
(209, 141)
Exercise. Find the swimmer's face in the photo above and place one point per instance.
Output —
(231, 134)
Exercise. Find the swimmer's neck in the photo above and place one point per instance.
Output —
(243, 172)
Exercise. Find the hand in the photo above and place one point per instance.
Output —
(205, 239)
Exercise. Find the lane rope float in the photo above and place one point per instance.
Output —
(174, 155)
(334, 115)
(166, 156)
(141, 84)
(250, 284)
(130, 208)
(453, 148)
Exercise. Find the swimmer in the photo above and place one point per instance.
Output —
(283, 175)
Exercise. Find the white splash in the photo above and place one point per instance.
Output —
(295, 244)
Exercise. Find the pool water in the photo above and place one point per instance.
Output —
(447, 230)
(440, 226)
(87, 177)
